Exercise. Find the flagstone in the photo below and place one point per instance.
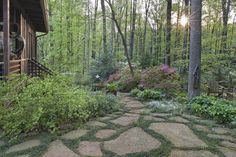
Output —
(179, 134)
(133, 140)
(134, 105)
(221, 137)
(163, 115)
(151, 118)
(102, 134)
(58, 149)
(125, 120)
(23, 156)
(75, 134)
(92, 149)
(139, 111)
(221, 130)
(202, 128)
(96, 124)
(24, 146)
(228, 152)
(2, 143)
(190, 153)
(228, 144)
(179, 119)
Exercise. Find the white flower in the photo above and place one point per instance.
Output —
(97, 76)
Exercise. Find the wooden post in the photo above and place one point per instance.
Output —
(6, 36)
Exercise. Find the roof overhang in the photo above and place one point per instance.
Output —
(36, 11)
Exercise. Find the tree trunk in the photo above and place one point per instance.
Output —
(168, 32)
(104, 27)
(186, 35)
(122, 36)
(94, 30)
(132, 33)
(195, 49)
(225, 10)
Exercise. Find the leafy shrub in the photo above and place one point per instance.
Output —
(128, 82)
(135, 92)
(103, 66)
(149, 94)
(46, 104)
(222, 111)
(163, 78)
(112, 87)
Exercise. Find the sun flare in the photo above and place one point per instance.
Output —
(184, 20)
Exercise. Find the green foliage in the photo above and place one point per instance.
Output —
(164, 78)
(149, 94)
(46, 104)
(222, 111)
(135, 92)
(112, 87)
(103, 66)
(128, 82)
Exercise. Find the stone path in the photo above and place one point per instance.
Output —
(135, 131)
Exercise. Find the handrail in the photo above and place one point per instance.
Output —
(37, 69)
(41, 65)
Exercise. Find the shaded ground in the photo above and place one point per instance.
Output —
(134, 131)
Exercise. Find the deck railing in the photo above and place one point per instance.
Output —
(15, 67)
(36, 69)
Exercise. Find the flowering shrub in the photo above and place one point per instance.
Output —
(128, 82)
(164, 78)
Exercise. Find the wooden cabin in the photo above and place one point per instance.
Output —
(20, 20)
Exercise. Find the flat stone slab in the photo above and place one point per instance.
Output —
(133, 140)
(179, 134)
(75, 134)
(96, 124)
(228, 144)
(125, 120)
(23, 156)
(201, 128)
(24, 146)
(207, 122)
(139, 111)
(105, 118)
(228, 152)
(102, 134)
(58, 149)
(131, 114)
(151, 118)
(134, 105)
(161, 114)
(187, 153)
(179, 119)
(221, 137)
(192, 117)
(2, 143)
(221, 130)
(90, 149)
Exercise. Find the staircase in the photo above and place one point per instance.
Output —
(36, 69)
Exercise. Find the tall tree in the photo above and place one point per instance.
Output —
(225, 9)
(104, 26)
(94, 30)
(195, 49)
(168, 32)
(122, 36)
(186, 36)
(132, 33)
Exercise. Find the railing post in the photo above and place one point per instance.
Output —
(6, 36)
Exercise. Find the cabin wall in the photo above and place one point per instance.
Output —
(29, 34)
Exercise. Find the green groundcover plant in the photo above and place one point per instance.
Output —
(147, 94)
(34, 104)
(223, 111)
